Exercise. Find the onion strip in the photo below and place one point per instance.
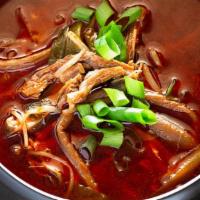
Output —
(22, 119)
(60, 160)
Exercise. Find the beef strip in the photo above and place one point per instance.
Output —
(41, 79)
(92, 79)
(92, 61)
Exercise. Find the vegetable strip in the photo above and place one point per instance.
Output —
(101, 125)
(133, 115)
(103, 12)
(100, 108)
(117, 97)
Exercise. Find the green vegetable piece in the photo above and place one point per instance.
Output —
(107, 47)
(112, 32)
(136, 103)
(103, 12)
(170, 87)
(84, 109)
(134, 87)
(133, 14)
(101, 125)
(100, 108)
(88, 148)
(67, 43)
(133, 115)
(117, 97)
(58, 47)
(83, 14)
(112, 139)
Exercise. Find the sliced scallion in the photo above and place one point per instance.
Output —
(134, 87)
(112, 139)
(84, 109)
(101, 125)
(103, 12)
(100, 108)
(133, 115)
(170, 87)
(132, 14)
(88, 148)
(111, 43)
(117, 97)
(136, 103)
(82, 13)
(107, 47)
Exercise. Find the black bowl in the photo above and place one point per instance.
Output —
(187, 191)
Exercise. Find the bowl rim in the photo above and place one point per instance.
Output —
(53, 197)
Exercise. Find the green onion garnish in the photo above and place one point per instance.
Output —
(134, 87)
(82, 13)
(84, 109)
(101, 125)
(111, 43)
(170, 87)
(117, 97)
(133, 115)
(100, 108)
(107, 47)
(136, 103)
(103, 12)
(112, 139)
(88, 148)
(132, 13)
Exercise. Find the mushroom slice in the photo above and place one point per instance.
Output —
(131, 41)
(173, 131)
(182, 170)
(178, 109)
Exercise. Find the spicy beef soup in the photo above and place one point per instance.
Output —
(100, 100)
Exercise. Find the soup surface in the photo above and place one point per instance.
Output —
(172, 29)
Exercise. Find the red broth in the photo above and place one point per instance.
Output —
(174, 30)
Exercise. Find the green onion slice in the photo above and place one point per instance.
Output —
(170, 87)
(84, 109)
(112, 139)
(117, 97)
(83, 14)
(98, 124)
(133, 14)
(100, 108)
(134, 87)
(107, 47)
(103, 12)
(132, 115)
(88, 148)
(136, 103)
(111, 42)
